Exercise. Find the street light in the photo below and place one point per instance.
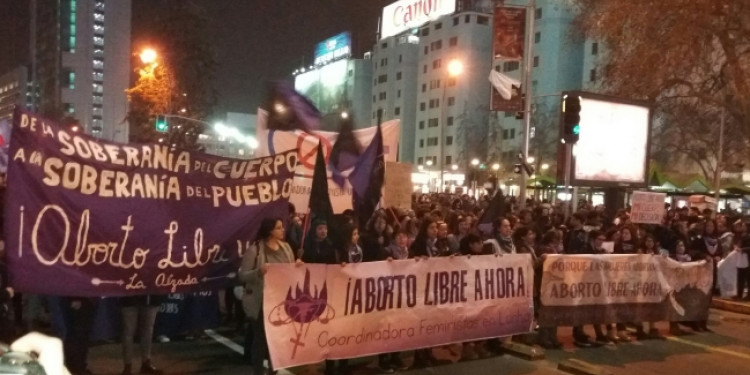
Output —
(496, 167)
(530, 160)
(429, 163)
(454, 167)
(475, 162)
(148, 56)
(545, 166)
(454, 69)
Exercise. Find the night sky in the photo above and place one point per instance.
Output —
(261, 40)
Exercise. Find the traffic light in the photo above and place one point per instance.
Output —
(517, 168)
(571, 118)
(161, 123)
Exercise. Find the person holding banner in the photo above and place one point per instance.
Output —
(552, 242)
(425, 245)
(269, 247)
(137, 309)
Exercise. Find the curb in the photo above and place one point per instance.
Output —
(578, 367)
(529, 353)
(731, 306)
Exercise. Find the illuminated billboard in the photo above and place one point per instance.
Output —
(407, 14)
(614, 140)
(334, 48)
(325, 86)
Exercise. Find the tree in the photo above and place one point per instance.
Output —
(181, 84)
(691, 58)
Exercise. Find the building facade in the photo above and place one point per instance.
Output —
(395, 62)
(80, 63)
(14, 91)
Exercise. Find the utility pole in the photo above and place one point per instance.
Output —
(719, 158)
(528, 63)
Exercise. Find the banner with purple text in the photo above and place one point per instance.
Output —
(315, 312)
(598, 289)
(85, 217)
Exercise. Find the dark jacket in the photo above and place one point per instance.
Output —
(321, 252)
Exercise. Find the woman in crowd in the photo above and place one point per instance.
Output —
(552, 243)
(462, 228)
(268, 248)
(375, 238)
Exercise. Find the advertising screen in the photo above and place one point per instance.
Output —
(333, 48)
(325, 85)
(613, 144)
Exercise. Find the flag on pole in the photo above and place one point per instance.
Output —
(505, 85)
(289, 110)
(367, 179)
(345, 151)
(320, 201)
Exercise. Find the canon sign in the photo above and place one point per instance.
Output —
(406, 14)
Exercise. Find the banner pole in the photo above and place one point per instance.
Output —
(305, 227)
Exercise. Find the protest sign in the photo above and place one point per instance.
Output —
(648, 208)
(113, 219)
(315, 312)
(596, 289)
(398, 186)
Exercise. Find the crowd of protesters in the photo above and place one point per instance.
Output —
(441, 225)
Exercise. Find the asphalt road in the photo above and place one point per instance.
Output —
(725, 351)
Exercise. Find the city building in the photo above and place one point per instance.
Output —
(78, 60)
(14, 91)
(395, 62)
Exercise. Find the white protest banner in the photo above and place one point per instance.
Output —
(315, 312)
(398, 186)
(593, 289)
(648, 208)
(271, 141)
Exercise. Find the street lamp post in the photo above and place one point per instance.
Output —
(529, 52)
(455, 68)
(474, 164)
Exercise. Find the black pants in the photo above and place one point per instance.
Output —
(743, 280)
(259, 345)
(79, 323)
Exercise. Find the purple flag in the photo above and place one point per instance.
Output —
(288, 110)
(85, 217)
(367, 179)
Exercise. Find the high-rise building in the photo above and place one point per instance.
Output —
(78, 60)
(14, 91)
(394, 87)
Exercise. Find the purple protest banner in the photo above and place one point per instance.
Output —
(86, 217)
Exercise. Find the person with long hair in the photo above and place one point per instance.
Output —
(462, 228)
(269, 247)
(551, 243)
(376, 238)
(425, 243)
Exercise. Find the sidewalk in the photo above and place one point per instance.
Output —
(728, 304)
